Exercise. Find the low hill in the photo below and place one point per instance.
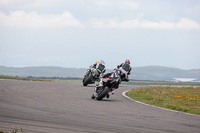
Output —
(164, 73)
(42, 71)
(137, 73)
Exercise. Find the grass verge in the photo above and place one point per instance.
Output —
(13, 131)
(25, 79)
(179, 98)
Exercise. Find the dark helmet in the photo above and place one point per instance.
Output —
(127, 61)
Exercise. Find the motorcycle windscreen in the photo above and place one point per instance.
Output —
(126, 67)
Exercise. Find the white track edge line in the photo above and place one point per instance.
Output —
(124, 94)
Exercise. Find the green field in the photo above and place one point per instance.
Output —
(25, 79)
(13, 131)
(179, 98)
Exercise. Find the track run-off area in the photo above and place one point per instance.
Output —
(67, 107)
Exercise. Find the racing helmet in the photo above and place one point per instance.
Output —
(127, 61)
(97, 61)
(102, 62)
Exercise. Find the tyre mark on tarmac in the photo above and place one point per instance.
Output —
(67, 107)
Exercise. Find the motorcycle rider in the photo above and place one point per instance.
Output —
(94, 65)
(99, 66)
(125, 70)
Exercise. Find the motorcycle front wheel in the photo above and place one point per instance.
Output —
(87, 80)
(103, 93)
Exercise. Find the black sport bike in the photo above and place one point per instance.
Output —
(107, 85)
(93, 74)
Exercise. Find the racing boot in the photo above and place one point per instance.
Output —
(110, 93)
(94, 94)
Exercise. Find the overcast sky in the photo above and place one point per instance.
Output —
(77, 33)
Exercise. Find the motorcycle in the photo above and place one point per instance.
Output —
(93, 74)
(107, 85)
(124, 72)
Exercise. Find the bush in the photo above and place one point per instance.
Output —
(13, 131)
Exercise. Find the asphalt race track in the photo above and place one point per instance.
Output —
(63, 107)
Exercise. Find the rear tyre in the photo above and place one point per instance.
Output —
(102, 94)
